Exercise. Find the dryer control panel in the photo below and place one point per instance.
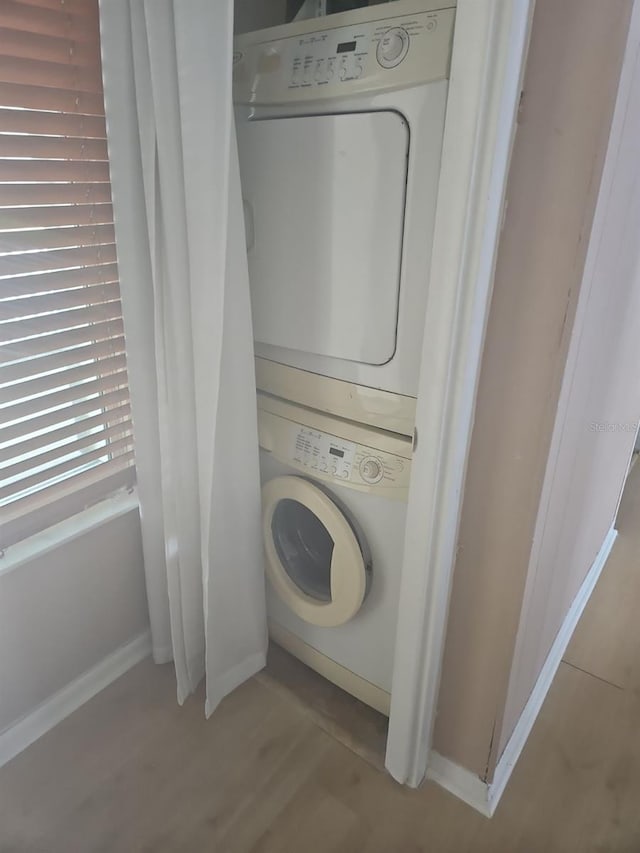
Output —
(402, 50)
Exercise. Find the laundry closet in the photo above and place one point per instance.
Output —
(339, 122)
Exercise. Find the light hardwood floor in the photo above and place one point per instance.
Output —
(130, 771)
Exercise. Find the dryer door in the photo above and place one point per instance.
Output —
(316, 560)
(324, 200)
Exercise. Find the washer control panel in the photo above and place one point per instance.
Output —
(334, 458)
(321, 452)
(388, 53)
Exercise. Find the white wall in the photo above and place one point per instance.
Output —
(66, 610)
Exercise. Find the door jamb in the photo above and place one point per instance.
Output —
(489, 52)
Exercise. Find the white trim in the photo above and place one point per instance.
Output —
(467, 786)
(460, 782)
(29, 728)
(518, 738)
(66, 531)
(489, 50)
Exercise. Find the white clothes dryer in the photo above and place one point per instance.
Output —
(334, 508)
(340, 123)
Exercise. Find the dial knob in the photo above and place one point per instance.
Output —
(371, 469)
(392, 47)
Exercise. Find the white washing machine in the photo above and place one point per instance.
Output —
(334, 506)
(340, 123)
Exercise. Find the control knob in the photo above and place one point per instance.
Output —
(371, 469)
(392, 47)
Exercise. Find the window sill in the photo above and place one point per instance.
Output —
(68, 530)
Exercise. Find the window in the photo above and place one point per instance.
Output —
(65, 428)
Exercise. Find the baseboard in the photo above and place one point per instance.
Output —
(467, 786)
(464, 784)
(47, 715)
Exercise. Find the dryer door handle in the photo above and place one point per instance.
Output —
(248, 224)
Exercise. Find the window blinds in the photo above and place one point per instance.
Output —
(65, 428)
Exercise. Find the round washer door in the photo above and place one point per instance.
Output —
(315, 561)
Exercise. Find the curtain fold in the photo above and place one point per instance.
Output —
(184, 281)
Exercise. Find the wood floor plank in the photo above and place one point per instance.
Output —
(197, 774)
(346, 719)
(259, 776)
(263, 803)
(313, 821)
(47, 780)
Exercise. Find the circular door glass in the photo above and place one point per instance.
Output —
(317, 560)
(304, 546)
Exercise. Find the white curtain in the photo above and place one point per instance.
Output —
(184, 283)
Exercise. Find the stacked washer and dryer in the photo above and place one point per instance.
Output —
(340, 123)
